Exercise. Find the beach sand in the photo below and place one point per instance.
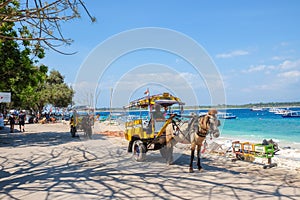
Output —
(45, 162)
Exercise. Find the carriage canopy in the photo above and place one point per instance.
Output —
(164, 100)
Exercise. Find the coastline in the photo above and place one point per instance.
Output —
(45, 162)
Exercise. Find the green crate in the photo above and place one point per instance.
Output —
(264, 151)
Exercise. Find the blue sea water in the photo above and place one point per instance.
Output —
(259, 125)
(255, 126)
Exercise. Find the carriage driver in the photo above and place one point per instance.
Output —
(157, 114)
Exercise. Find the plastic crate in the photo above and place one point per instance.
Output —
(237, 147)
(264, 151)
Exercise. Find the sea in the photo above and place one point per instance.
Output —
(249, 126)
(255, 126)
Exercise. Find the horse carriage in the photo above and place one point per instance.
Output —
(161, 131)
(81, 120)
(147, 133)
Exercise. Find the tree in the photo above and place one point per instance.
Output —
(39, 21)
(60, 94)
(30, 86)
(30, 94)
(53, 90)
(24, 27)
(18, 73)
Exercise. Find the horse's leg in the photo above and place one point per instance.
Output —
(192, 159)
(198, 157)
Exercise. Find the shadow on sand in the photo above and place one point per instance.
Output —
(102, 169)
(41, 139)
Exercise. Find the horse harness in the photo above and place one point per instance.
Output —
(204, 124)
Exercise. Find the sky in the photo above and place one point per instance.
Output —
(205, 52)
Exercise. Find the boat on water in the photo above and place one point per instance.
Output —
(275, 109)
(290, 114)
(226, 116)
(281, 111)
(254, 108)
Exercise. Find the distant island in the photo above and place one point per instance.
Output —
(260, 105)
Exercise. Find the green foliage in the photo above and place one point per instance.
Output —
(59, 93)
(30, 86)
(55, 78)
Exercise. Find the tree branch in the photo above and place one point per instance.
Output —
(42, 18)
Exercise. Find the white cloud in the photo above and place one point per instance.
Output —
(287, 64)
(259, 68)
(284, 66)
(280, 79)
(290, 74)
(232, 54)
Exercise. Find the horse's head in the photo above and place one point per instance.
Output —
(214, 123)
(209, 124)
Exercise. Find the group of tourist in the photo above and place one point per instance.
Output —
(20, 118)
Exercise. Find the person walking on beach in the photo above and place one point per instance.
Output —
(22, 117)
(12, 121)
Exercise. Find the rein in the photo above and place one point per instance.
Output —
(200, 130)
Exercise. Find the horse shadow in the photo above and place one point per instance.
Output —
(182, 160)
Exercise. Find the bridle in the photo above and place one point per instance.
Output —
(194, 125)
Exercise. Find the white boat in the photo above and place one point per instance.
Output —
(226, 116)
(291, 113)
(254, 108)
(281, 111)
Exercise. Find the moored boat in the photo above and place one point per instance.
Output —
(291, 114)
(281, 111)
(226, 116)
(254, 108)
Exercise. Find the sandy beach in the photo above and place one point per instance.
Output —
(45, 162)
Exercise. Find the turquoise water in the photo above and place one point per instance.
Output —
(254, 126)
(259, 125)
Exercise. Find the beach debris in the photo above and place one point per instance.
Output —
(112, 133)
(247, 151)
(275, 145)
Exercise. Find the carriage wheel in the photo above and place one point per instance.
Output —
(138, 150)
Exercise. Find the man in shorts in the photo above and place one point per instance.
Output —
(22, 117)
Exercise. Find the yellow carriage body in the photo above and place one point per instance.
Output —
(150, 134)
(136, 128)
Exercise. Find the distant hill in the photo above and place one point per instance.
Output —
(263, 105)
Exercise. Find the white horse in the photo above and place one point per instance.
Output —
(193, 132)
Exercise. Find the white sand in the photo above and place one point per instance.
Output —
(47, 163)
